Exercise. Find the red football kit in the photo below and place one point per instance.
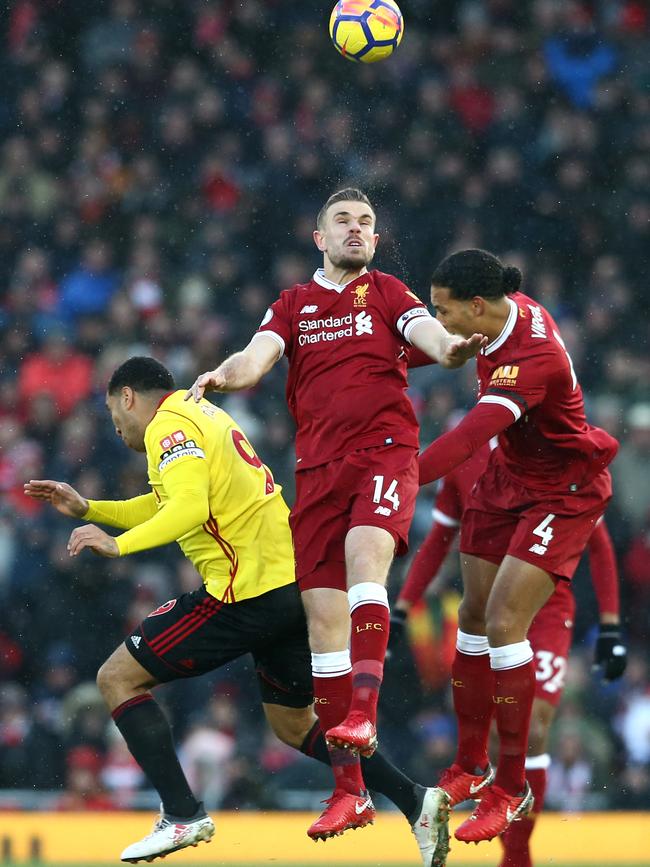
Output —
(551, 631)
(357, 434)
(546, 485)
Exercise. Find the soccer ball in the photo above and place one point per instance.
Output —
(366, 30)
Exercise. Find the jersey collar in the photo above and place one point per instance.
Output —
(506, 331)
(320, 278)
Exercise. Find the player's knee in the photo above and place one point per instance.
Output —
(120, 675)
(471, 617)
(291, 725)
(106, 678)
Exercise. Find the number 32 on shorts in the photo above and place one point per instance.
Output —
(385, 491)
(545, 532)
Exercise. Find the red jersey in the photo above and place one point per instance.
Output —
(347, 384)
(527, 370)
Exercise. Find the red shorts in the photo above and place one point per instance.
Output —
(550, 636)
(369, 488)
(549, 530)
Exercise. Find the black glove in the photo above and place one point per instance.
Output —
(611, 653)
(397, 630)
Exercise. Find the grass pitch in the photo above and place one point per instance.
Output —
(273, 862)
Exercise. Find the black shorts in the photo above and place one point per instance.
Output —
(197, 633)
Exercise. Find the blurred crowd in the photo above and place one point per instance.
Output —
(161, 165)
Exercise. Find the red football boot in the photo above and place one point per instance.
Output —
(355, 733)
(344, 810)
(462, 786)
(493, 815)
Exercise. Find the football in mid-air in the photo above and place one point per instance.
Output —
(366, 30)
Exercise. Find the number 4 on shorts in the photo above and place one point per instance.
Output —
(545, 533)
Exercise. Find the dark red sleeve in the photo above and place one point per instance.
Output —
(480, 424)
(604, 574)
(427, 561)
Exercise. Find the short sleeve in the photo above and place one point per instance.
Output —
(404, 307)
(171, 440)
(276, 322)
(519, 387)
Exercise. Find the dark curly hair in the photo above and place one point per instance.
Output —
(141, 373)
(476, 272)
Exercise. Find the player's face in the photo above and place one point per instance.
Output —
(458, 317)
(126, 423)
(348, 236)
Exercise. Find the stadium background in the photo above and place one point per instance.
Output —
(161, 164)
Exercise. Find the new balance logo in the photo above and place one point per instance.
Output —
(382, 510)
(136, 639)
(360, 806)
(363, 323)
(309, 308)
(538, 549)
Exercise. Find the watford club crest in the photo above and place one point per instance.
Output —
(361, 295)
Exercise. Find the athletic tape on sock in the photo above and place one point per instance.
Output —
(538, 763)
(472, 645)
(510, 655)
(368, 592)
(332, 664)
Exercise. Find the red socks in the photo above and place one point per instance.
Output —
(332, 680)
(516, 840)
(370, 618)
(472, 685)
(514, 691)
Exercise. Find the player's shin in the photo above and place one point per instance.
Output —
(332, 679)
(472, 685)
(514, 691)
(370, 618)
(149, 739)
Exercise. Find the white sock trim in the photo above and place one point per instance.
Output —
(368, 592)
(332, 664)
(510, 655)
(538, 763)
(472, 645)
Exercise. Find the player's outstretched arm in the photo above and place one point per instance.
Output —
(242, 370)
(115, 513)
(62, 496)
(482, 422)
(449, 350)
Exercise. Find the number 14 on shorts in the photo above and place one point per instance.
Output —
(386, 492)
(545, 532)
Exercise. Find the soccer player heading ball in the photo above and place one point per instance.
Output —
(345, 334)
(526, 523)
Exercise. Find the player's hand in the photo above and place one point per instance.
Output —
(213, 380)
(459, 350)
(397, 631)
(92, 537)
(611, 653)
(62, 496)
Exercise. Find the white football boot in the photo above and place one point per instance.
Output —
(169, 836)
(431, 828)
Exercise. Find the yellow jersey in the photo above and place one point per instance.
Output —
(214, 496)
